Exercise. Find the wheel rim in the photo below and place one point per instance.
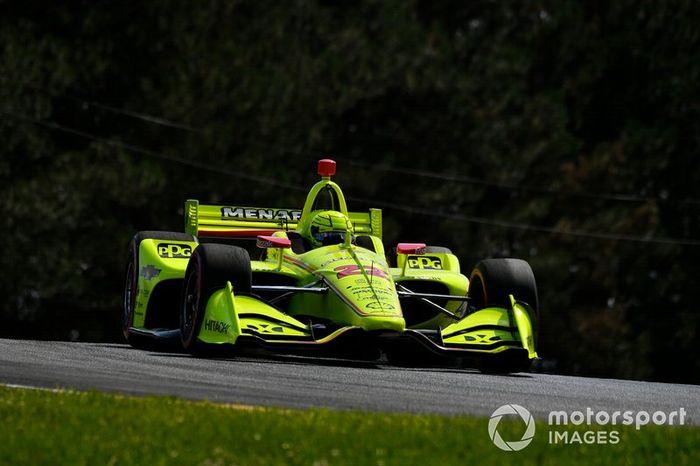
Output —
(190, 304)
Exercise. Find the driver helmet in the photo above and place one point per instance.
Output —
(328, 227)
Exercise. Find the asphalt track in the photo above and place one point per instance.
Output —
(300, 382)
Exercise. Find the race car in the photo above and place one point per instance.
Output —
(325, 283)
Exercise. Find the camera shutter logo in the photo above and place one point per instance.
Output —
(529, 427)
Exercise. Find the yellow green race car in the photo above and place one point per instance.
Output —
(323, 282)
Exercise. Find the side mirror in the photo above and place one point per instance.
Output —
(410, 248)
(265, 242)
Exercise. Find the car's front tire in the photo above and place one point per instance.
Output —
(490, 284)
(492, 280)
(210, 267)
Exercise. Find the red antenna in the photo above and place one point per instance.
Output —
(326, 168)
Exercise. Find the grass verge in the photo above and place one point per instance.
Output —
(90, 428)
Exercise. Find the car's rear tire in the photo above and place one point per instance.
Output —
(210, 267)
(131, 282)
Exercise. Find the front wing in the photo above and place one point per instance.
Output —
(233, 319)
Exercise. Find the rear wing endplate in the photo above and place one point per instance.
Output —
(226, 221)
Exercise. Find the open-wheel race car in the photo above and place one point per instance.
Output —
(323, 283)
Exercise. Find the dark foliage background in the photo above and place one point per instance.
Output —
(564, 133)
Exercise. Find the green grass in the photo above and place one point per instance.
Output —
(76, 428)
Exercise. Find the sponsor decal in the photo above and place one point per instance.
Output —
(348, 270)
(330, 261)
(424, 262)
(174, 250)
(370, 290)
(267, 328)
(216, 326)
(251, 213)
(150, 271)
(380, 305)
(379, 297)
(479, 338)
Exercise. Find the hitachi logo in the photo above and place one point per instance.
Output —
(216, 326)
(249, 213)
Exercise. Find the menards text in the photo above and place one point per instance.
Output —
(250, 213)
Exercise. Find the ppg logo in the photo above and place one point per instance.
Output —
(424, 262)
(174, 251)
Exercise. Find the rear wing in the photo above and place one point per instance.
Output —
(230, 221)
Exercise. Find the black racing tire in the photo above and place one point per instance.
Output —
(131, 282)
(492, 280)
(210, 267)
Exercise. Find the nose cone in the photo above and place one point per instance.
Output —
(362, 289)
(373, 306)
(397, 324)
